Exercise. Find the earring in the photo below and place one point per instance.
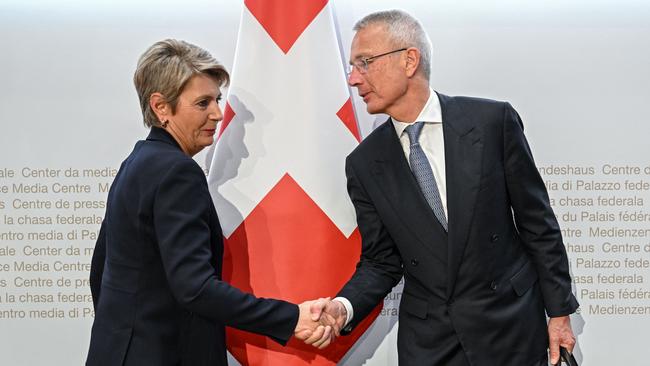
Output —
(164, 123)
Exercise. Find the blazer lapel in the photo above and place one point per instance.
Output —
(396, 180)
(463, 151)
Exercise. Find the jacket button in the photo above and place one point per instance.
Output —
(414, 262)
(493, 286)
(494, 238)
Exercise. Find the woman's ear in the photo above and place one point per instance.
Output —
(160, 107)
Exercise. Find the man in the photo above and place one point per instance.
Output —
(447, 194)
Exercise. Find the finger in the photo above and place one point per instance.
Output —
(318, 341)
(554, 350)
(569, 348)
(326, 336)
(337, 330)
(568, 342)
(327, 342)
(303, 334)
(316, 335)
(342, 318)
(327, 319)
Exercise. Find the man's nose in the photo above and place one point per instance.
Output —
(354, 77)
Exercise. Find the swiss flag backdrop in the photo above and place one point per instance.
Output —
(277, 176)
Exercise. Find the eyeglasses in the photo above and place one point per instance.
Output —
(362, 64)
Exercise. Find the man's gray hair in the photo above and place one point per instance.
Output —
(166, 67)
(404, 30)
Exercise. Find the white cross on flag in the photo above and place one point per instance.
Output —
(277, 177)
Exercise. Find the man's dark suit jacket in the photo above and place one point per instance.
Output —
(156, 270)
(486, 283)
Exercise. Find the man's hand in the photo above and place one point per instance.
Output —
(560, 334)
(332, 313)
(309, 330)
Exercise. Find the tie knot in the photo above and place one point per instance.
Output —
(413, 131)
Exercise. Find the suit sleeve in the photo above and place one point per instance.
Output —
(380, 267)
(181, 213)
(97, 264)
(535, 220)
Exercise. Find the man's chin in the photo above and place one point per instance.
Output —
(373, 109)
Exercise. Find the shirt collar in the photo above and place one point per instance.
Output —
(430, 113)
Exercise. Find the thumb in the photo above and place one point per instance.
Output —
(316, 309)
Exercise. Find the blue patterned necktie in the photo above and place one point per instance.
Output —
(423, 174)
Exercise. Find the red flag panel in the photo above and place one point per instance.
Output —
(285, 20)
(288, 248)
(346, 114)
(228, 115)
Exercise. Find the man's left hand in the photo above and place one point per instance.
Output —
(560, 334)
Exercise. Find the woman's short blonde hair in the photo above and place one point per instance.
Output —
(166, 67)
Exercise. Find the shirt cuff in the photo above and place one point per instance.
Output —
(348, 308)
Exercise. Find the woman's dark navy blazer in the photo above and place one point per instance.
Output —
(156, 270)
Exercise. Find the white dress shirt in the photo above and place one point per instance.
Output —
(433, 144)
(431, 141)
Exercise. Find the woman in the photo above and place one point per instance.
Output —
(156, 270)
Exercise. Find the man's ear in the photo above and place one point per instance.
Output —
(412, 61)
(159, 106)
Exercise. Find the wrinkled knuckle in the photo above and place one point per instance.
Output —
(554, 338)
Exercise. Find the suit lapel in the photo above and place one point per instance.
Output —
(403, 192)
(463, 152)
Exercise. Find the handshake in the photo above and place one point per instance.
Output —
(320, 322)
